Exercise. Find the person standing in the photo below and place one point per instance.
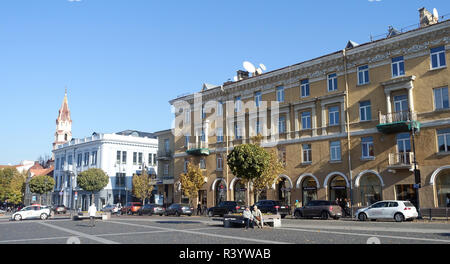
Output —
(257, 216)
(92, 211)
(248, 218)
(199, 209)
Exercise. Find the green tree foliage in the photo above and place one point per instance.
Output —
(41, 184)
(92, 180)
(142, 187)
(191, 182)
(12, 185)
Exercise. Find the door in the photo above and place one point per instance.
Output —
(403, 148)
(308, 208)
(390, 210)
(376, 210)
(26, 212)
(401, 108)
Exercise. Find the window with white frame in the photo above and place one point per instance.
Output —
(203, 112)
(306, 120)
(437, 57)
(258, 99)
(219, 108)
(280, 94)
(441, 98)
(282, 124)
(237, 131)
(443, 136)
(166, 169)
(219, 134)
(304, 88)
(150, 158)
(140, 158)
(398, 66)
(363, 74)
(187, 115)
(219, 162)
(94, 158)
(186, 140)
(80, 159)
(333, 115)
(367, 147)
(86, 159)
(237, 104)
(335, 150)
(202, 163)
(365, 112)
(124, 157)
(203, 136)
(307, 157)
(258, 127)
(134, 158)
(332, 82)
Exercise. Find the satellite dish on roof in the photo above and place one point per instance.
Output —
(435, 13)
(235, 78)
(263, 67)
(259, 71)
(248, 66)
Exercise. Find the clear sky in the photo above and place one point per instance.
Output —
(122, 61)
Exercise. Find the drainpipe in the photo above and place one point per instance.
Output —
(348, 133)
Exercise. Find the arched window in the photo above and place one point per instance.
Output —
(239, 192)
(443, 189)
(370, 188)
(309, 190)
(221, 192)
(338, 188)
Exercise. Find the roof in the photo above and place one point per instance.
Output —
(64, 112)
(136, 133)
(40, 171)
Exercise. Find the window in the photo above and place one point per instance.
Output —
(367, 147)
(186, 141)
(80, 159)
(202, 136)
(280, 94)
(365, 113)
(124, 157)
(443, 140)
(94, 158)
(281, 124)
(187, 115)
(167, 145)
(238, 104)
(307, 158)
(140, 158)
(282, 155)
(333, 115)
(258, 99)
(154, 158)
(166, 169)
(86, 159)
(219, 162)
(437, 57)
(202, 163)
(150, 158)
(335, 150)
(220, 134)
(441, 98)
(304, 88)
(398, 66)
(203, 112)
(69, 160)
(134, 158)
(185, 165)
(363, 74)
(306, 120)
(258, 128)
(219, 108)
(237, 131)
(332, 82)
(57, 163)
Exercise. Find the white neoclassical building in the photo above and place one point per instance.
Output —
(120, 155)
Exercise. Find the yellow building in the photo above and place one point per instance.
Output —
(341, 123)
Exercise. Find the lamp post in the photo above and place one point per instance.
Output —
(417, 179)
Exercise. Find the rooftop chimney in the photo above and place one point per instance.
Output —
(242, 75)
(427, 18)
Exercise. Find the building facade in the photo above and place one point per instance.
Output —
(165, 175)
(355, 124)
(119, 155)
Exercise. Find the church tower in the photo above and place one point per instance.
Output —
(63, 124)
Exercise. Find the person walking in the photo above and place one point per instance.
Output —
(257, 216)
(248, 218)
(199, 209)
(92, 212)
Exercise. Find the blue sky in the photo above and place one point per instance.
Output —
(122, 61)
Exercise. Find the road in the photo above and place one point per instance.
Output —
(202, 230)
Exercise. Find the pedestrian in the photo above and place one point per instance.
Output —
(199, 209)
(257, 216)
(92, 211)
(297, 204)
(205, 209)
(248, 218)
(346, 207)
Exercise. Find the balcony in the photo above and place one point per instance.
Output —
(401, 160)
(397, 122)
(164, 155)
(198, 149)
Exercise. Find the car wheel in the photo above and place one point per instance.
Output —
(298, 214)
(44, 216)
(210, 214)
(324, 215)
(283, 216)
(18, 217)
(189, 215)
(336, 218)
(398, 217)
(362, 217)
(160, 214)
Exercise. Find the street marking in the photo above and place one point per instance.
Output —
(32, 239)
(205, 234)
(374, 228)
(95, 238)
(369, 235)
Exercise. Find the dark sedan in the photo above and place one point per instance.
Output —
(274, 207)
(226, 207)
(179, 209)
(151, 209)
(60, 209)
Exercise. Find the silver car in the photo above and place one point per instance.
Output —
(32, 212)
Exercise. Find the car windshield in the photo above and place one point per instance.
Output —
(408, 204)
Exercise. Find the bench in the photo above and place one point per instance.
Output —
(238, 220)
(98, 215)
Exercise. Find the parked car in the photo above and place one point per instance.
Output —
(60, 209)
(151, 209)
(179, 209)
(113, 208)
(32, 212)
(131, 208)
(319, 208)
(226, 207)
(274, 207)
(397, 210)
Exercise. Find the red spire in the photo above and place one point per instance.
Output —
(64, 112)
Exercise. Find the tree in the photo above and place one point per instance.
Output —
(12, 185)
(92, 180)
(142, 187)
(191, 182)
(41, 184)
(254, 164)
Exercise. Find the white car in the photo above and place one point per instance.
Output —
(397, 210)
(32, 212)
